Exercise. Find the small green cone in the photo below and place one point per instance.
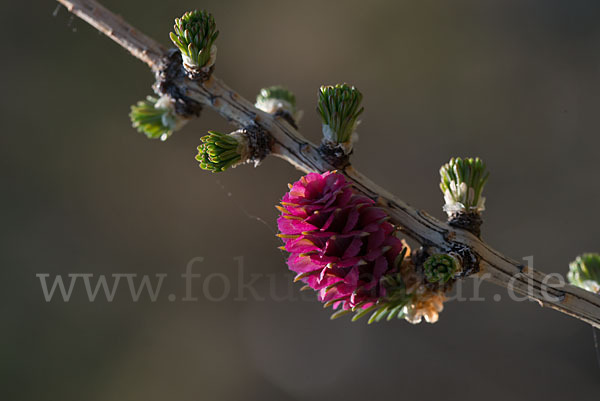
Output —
(584, 272)
(440, 268)
(219, 151)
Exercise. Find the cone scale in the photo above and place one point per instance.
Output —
(340, 243)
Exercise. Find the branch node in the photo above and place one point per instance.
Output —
(259, 143)
(201, 75)
(168, 82)
(335, 155)
(470, 221)
(468, 260)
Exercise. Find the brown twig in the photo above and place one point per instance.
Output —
(287, 143)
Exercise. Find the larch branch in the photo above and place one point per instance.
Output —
(288, 143)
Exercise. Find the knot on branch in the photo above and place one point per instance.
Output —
(470, 221)
(468, 260)
(168, 83)
(201, 75)
(258, 144)
(335, 155)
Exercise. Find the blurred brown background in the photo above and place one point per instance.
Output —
(515, 82)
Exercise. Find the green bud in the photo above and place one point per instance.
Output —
(155, 117)
(194, 35)
(440, 268)
(462, 182)
(339, 107)
(584, 272)
(219, 151)
(276, 98)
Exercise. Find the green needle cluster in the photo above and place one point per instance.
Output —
(389, 307)
(195, 34)
(276, 97)
(584, 272)
(218, 152)
(155, 122)
(440, 268)
(462, 182)
(339, 107)
(392, 306)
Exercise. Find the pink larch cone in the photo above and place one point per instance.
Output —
(340, 242)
